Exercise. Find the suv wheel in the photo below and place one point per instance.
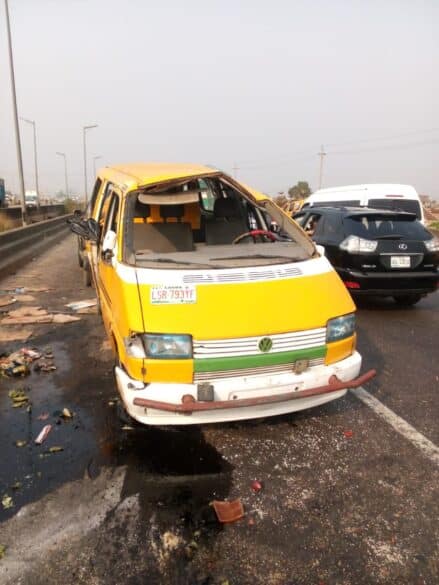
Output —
(407, 300)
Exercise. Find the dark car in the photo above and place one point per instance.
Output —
(376, 252)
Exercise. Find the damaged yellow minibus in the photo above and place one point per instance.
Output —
(217, 305)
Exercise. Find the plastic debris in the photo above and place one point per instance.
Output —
(19, 397)
(256, 486)
(81, 305)
(43, 416)
(66, 413)
(7, 502)
(348, 434)
(43, 434)
(227, 512)
(56, 449)
(20, 443)
(17, 363)
(16, 486)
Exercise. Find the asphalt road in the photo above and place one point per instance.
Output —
(346, 498)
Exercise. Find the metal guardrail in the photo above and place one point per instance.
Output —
(12, 215)
(21, 244)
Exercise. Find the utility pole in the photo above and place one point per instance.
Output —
(235, 170)
(32, 122)
(65, 171)
(321, 154)
(84, 132)
(17, 129)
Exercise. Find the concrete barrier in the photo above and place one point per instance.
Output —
(20, 245)
(12, 215)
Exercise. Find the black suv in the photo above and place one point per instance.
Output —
(376, 252)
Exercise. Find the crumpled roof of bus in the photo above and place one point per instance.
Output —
(139, 174)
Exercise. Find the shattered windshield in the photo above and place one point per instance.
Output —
(207, 223)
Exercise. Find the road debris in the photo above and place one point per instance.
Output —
(43, 434)
(19, 397)
(20, 443)
(7, 300)
(348, 434)
(256, 486)
(56, 449)
(17, 363)
(36, 315)
(7, 502)
(83, 307)
(66, 413)
(227, 511)
(16, 486)
(43, 416)
(7, 335)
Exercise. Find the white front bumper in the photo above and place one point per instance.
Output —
(235, 389)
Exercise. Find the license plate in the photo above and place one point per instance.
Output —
(173, 295)
(400, 262)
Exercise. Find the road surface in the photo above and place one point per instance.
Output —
(350, 489)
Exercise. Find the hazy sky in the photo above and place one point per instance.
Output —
(258, 83)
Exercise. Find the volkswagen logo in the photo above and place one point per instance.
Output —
(265, 344)
(402, 246)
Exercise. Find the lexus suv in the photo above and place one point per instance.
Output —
(375, 251)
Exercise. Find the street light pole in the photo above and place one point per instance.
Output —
(321, 154)
(95, 158)
(84, 131)
(63, 154)
(32, 122)
(17, 129)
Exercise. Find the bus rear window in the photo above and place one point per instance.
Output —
(410, 205)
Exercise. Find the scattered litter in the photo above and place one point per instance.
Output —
(21, 290)
(56, 449)
(43, 416)
(16, 486)
(20, 443)
(6, 301)
(19, 397)
(44, 366)
(26, 299)
(61, 318)
(32, 315)
(228, 511)
(14, 335)
(348, 434)
(66, 413)
(17, 363)
(256, 486)
(80, 305)
(2, 550)
(26, 315)
(43, 434)
(7, 502)
(127, 428)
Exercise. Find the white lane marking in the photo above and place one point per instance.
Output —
(399, 424)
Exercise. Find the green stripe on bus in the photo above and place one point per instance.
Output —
(254, 361)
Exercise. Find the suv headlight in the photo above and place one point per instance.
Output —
(356, 245)
(167, 346)
(432, 245)
(340, 327)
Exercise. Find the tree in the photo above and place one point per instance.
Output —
(299, 191)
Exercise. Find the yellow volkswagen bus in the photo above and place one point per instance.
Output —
(217, 304)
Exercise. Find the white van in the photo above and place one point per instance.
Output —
(384, 196)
